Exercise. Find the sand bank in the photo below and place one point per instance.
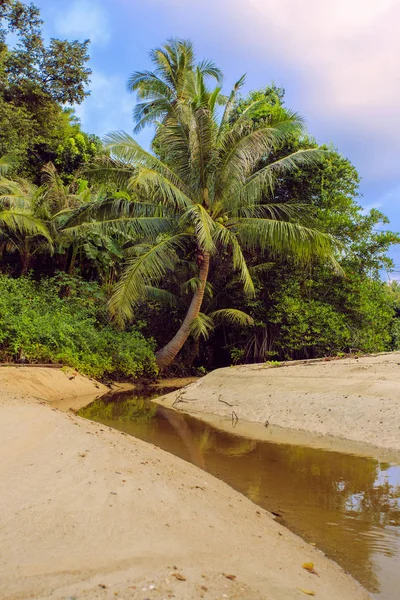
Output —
(63, 388)
(349, 399)
(87, 512)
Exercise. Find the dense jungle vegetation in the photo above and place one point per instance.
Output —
(236, 238)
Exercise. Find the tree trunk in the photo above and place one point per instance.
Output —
(166, 355)
(71, 267)
(25, 258)
(2, 248)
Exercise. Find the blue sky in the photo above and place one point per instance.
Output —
(338, 62)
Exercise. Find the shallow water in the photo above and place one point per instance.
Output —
(348, 506)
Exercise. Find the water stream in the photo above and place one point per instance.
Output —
(348, 506)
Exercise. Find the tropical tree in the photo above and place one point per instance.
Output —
(90, 248)
(20, 228)
(162, 89)
(209, 196)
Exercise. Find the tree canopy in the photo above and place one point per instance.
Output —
(36, 84)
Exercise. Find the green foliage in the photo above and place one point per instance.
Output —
(237, 354)
(303, 313)
(293, 263)
(64, 319)
(38, 130)
(75, 150)
(396, 335)
(35, 84)
(59, 70)
(309, 326)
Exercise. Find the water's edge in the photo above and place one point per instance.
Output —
(345, 504)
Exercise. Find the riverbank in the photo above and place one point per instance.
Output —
(355, 399)
(63, 388)
(88, 512)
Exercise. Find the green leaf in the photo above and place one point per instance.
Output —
(232, 316)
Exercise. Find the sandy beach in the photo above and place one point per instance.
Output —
(88, 512)
(355, 399)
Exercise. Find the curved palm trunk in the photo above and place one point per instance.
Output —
(166, 355)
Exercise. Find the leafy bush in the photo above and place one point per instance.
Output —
(357, 316)
(64, 319)
(396, 334)
(312, 325)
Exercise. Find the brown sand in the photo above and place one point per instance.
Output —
(352, 399)
(88, 512)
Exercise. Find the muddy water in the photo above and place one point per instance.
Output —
(348, 506)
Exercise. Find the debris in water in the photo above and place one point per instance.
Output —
(228, 576)
(308, 592)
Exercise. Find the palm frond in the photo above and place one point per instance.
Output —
(194, 284)
(261, 268)
(283, 211)
(209, 69)
(7, 162)
(228, 239)
(144, 270)
(150, 181)
(233, 316)
(163, 297)
(146, 83)
(197, 217)
(111, 209)
(128, 152)
(282, 237)
(23, 222)
(201, 326)
(264, 179)
(147, 113)
(242, 151)
(229, 104)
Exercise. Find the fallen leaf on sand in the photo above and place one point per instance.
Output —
(309, 566)
(178, 576)
(228, 576)
(308, 592)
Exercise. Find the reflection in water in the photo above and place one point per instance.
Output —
(349, 506)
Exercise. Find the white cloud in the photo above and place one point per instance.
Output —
(346, 53)
(353, 46)
(109, 107)
(84, 19)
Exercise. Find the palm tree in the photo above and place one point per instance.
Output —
(58, 202)
(20, 227)
(213, 193)
(161, 89)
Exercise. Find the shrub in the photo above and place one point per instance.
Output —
(64, 319)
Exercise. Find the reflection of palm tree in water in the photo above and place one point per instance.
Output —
(178, 422)
(198, 446)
